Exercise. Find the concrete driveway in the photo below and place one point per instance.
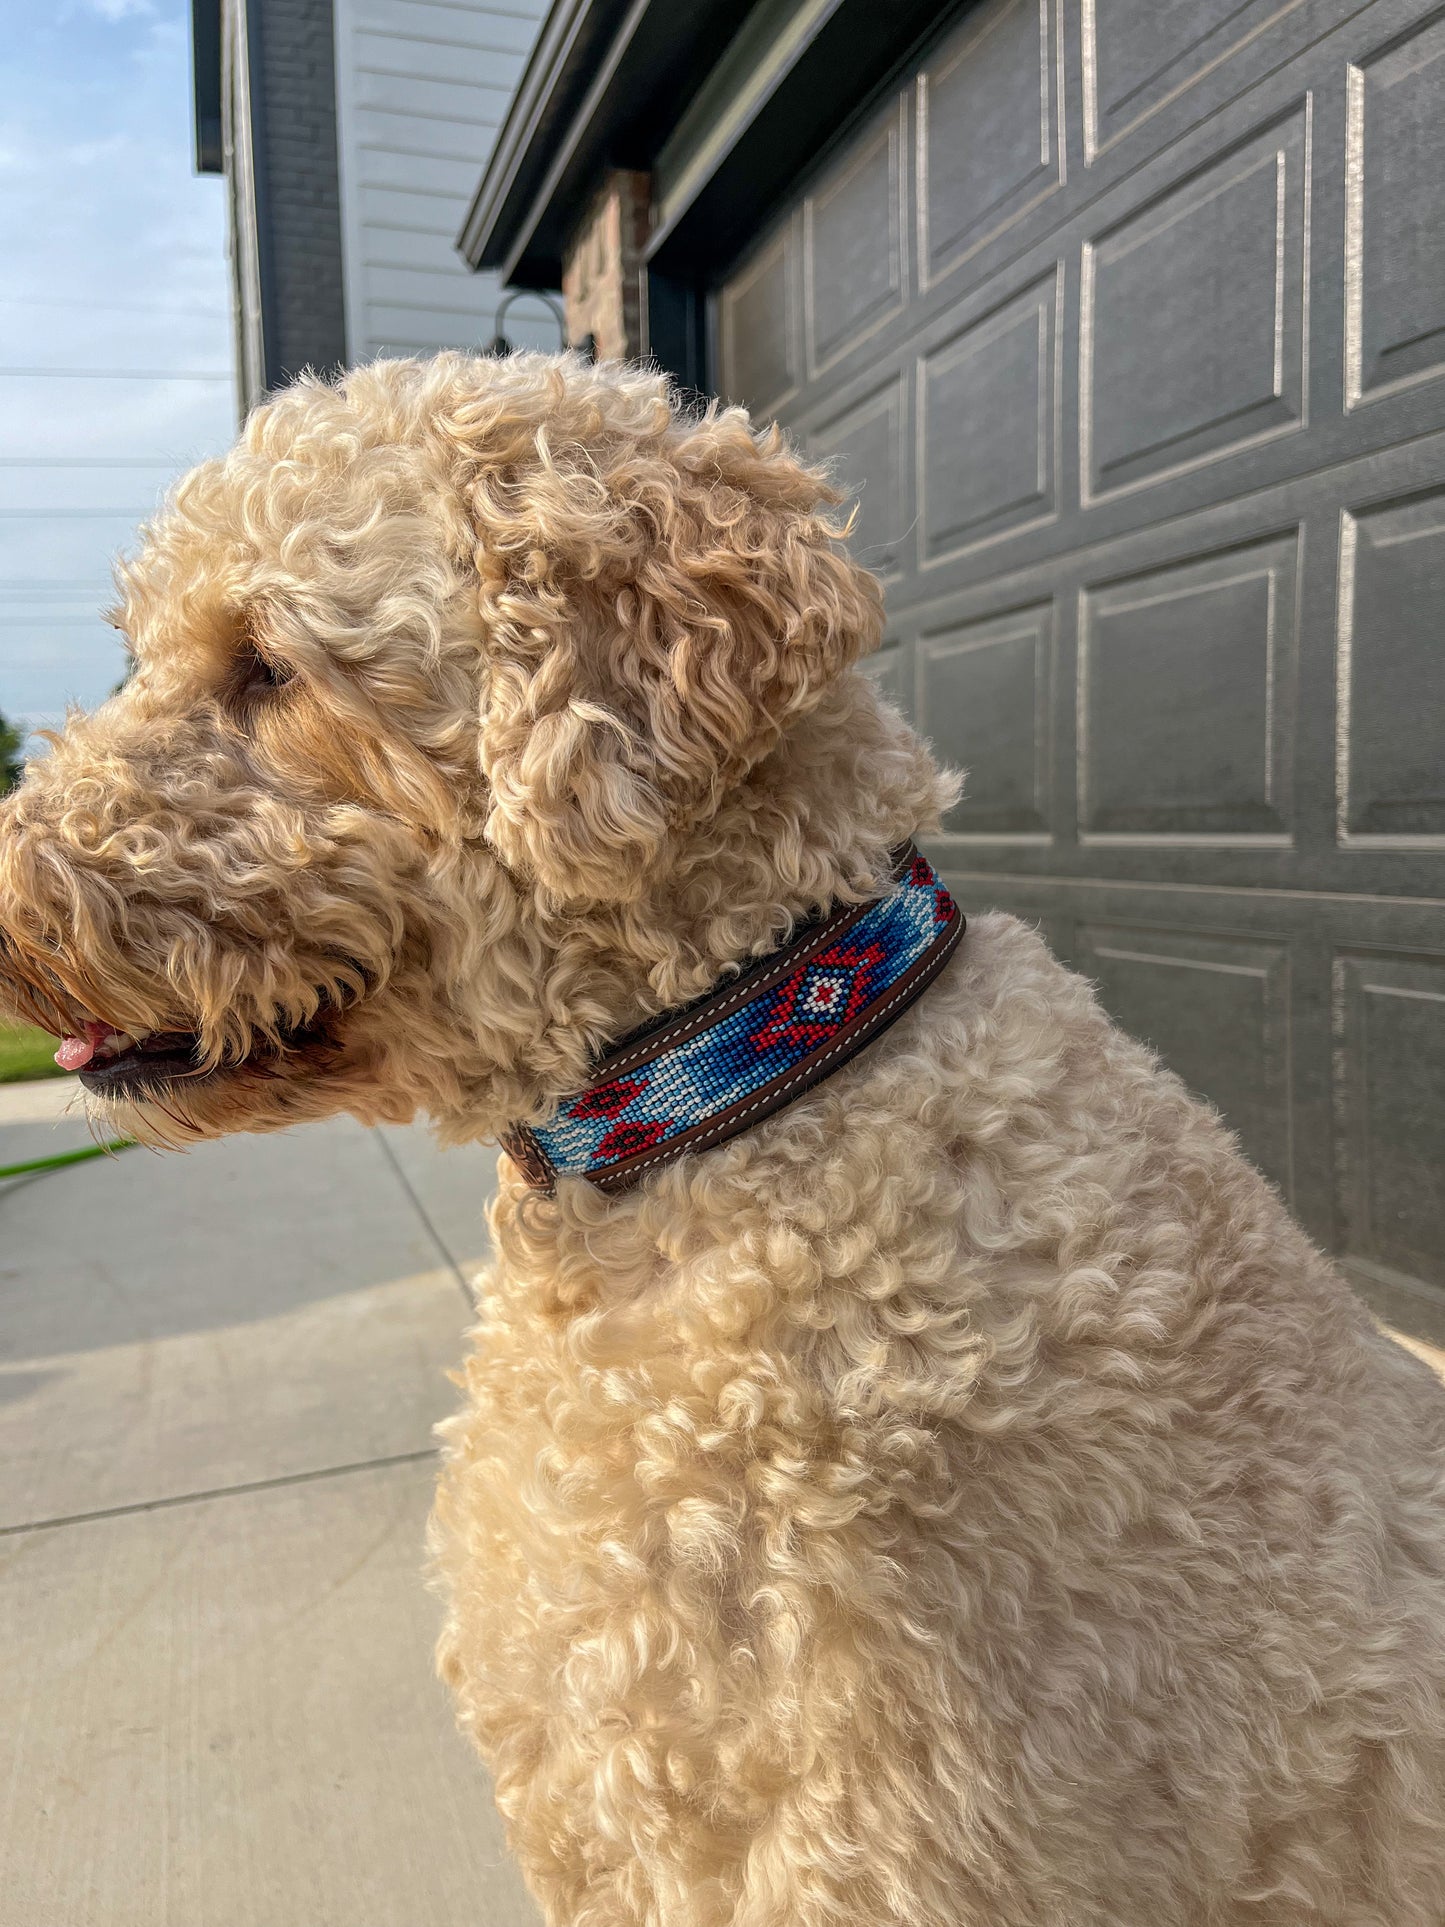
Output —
(218, 1378)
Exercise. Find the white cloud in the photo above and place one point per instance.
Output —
(117, 10)
(123, 270)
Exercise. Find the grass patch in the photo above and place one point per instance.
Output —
(26, 1053)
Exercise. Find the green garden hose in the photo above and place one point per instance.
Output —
(66, 1157)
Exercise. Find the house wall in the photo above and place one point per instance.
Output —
(293, 90)
(279, 158)
(421, 89)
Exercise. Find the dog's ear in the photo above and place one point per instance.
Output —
(660, 599)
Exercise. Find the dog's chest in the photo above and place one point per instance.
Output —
(656, 1512)
(633, 1444)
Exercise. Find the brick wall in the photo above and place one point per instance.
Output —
(298, 195)
(602, 273)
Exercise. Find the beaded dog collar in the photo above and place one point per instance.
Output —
(698, 1076)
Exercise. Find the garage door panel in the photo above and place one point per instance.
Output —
(988, 131)
(1186, 690)
(891, 668)
(985, 195)
(1211, 453)
(866, 444)
(853, 246)
(1151, 439)
(1391, 668)
(1139, 53)
(1193, 315)
(1217, 631)
(1395, 265)
(987, 451)
(1389, 1022)
(1216, 1007)
(1341, 459)
(1342, 998)
(758, 326)
(985, 696)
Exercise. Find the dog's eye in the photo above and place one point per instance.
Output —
(256, 676)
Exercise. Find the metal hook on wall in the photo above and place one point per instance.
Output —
(499, 344)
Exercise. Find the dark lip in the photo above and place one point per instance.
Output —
(161, 1059)
(174, 1057)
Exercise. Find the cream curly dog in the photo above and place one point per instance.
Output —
(965, 1499)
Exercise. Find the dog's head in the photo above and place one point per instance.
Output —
(438, 677)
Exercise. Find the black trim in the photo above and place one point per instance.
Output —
(206, 85)
(676, 331)
(604, 77)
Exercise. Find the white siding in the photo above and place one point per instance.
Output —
(421, 90)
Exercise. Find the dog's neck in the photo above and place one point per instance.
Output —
(810, 829)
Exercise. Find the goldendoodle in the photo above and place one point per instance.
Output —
(928, 1483)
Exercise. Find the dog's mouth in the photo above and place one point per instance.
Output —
(112, 1064)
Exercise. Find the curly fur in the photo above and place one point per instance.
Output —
(967, 1498)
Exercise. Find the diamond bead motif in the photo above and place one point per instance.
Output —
(756, 1042)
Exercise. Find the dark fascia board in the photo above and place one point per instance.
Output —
(575, 36)
(855, 54)
(608, 83)
(601, 90)
(206, 85)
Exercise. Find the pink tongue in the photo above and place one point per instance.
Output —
(78, 1051)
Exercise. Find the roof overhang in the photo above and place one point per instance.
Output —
(206, 85)
(608, 83)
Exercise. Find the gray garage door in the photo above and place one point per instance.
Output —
(1128, 318)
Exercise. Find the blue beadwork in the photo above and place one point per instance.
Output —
(756, 1042)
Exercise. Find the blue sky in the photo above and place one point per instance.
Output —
(115, 330)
